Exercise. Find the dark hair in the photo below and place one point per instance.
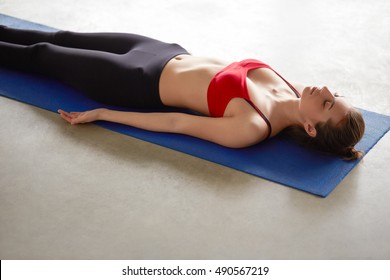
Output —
(339, 140)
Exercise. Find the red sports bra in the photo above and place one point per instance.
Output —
(230, 82)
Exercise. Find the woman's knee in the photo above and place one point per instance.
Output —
(61, 37)
(39, 48)
(42, 57)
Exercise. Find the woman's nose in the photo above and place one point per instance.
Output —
(325, 90)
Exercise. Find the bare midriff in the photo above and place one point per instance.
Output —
(185, 79)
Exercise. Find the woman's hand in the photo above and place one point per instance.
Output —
(80, 117)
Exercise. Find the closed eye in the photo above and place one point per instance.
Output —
(331, 106)
(336, 95)
(329, 102)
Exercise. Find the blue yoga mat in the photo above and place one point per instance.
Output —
(276, 159)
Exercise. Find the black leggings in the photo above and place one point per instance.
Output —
(113, 68)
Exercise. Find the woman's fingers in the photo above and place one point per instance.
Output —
(79, 117)
(64, 115)
(69, 117)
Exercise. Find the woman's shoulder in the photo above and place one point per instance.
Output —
(251, 123)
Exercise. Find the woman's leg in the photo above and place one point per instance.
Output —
(23, 36)
(126, 73)
(118, 43)
(102, 76)
(14, 56)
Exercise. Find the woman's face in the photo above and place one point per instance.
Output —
(318, 104)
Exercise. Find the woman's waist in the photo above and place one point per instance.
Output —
(191, 73)
(185, 81)
(194, 65)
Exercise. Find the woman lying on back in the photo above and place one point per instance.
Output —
(241, 103)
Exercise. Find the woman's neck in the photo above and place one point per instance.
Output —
(286, 113)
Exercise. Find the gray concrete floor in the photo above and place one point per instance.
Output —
(87, 193)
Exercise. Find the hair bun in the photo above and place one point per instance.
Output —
(350, 153)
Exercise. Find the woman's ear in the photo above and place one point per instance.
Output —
(310, 129)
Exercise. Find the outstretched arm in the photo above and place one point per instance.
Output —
(159, 122)
(227, 131)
